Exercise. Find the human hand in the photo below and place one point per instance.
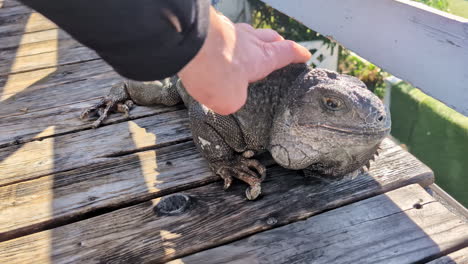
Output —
(233, 56)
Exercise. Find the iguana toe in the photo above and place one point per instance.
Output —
(243, 169)
(117, 101)
(253, 192)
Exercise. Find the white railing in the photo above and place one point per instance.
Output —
(416, 43)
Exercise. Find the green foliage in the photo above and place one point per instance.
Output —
(438, 4)
(264, 16)
(367, 72)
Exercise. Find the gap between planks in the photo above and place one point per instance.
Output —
(36, 105)
(61, 153)
(457, 257)
(117, 182)
(50, 88)
(406, 225)
(19, 24)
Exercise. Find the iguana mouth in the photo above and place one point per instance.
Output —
(365, 132)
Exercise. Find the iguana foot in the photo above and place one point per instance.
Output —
(242, 169)
(117, 100)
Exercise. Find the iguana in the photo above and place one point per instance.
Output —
(308, 119)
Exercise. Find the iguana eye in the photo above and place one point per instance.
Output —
(332, 103)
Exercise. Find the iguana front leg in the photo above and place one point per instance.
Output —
(124, 95)
(220, 141)
(118, 100)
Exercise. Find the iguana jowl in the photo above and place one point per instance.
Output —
(311, 119)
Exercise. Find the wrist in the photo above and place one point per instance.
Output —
(214, 68)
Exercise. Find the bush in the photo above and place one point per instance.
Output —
(264, 16)
(438, 4)
(367, 72)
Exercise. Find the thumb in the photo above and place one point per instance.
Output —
(282, 53)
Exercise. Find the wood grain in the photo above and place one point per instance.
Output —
(457, 257)
(8, 3)
(11, 43)
(11, 8)
(382, 229)
(47, 60)
(43, 89)
(137, 234)
(54, 199)
(20, 129)
(24, 51)
(36, 102)
(60, 153)
(24, 23)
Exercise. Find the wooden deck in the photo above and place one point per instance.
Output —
(73, 194)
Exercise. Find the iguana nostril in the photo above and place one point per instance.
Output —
(381, 118)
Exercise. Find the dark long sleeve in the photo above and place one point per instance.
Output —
(141, 39)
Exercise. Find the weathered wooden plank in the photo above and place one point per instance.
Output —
(117, 174)
(35, 101)
(33, 205)
(48, 88)
(8, 3)
(457, 257)
(404, 36)
(38, 50)
(448, 201)
(10, 10)
(384, 229)
(138, 234)
(50, 59)
(59, 153)
(24, 23)
(40, 47)
(64, 119)
(11, 43)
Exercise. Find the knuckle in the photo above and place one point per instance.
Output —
(290, 44)
(245, 26)
(268, 50)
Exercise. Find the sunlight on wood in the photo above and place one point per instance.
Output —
(42, 36)
(40, 247)
(148, 160)
(24, 204)
(42, 151)
(166, 237)
(38, 22)
(177, 261)
(15, 83)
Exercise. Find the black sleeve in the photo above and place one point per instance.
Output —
(142, 39)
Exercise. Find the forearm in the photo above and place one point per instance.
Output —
(142, 40)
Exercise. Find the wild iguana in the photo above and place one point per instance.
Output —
(310, 119)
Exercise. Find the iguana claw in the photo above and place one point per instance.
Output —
(102, 109)
(242, 170)
(117, 101)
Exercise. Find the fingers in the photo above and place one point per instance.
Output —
(268, 35)
(226, 99)
(264, 34)
(282, 53)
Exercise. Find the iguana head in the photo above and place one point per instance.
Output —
(329, 123)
